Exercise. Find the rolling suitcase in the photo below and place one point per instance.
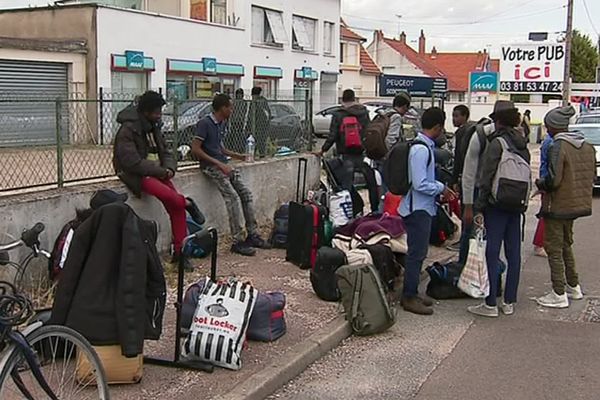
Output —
(306, 227)
(332, 169)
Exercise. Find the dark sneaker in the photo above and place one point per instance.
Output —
(195, 212)
(426, 300)
(243, 249)
(188, 266)
(257, 242)
(415, 305)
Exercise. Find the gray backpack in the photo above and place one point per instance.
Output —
(364, 299)
(512, 183)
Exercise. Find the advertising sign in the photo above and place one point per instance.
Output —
(418, 86)
(135, 60)
(209, 65)
(532, 68)
(483, 82)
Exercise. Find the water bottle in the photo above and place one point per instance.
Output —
(250, 148)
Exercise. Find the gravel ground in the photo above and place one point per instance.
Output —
(305, 313)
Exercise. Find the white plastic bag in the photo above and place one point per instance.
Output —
(340, 208)
(220, 323)
(474, 279)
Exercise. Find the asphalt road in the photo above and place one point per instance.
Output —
(534, 354)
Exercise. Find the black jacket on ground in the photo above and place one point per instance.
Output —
(335, 136)
(112, 289)
(132, 147)
(491, 159)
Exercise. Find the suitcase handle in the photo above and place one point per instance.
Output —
(301, 161)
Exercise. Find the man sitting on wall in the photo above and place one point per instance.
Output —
(144, 163)
(207, 147)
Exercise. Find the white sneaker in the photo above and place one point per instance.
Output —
(540, 252)
(507, 309)
(553, 300)
(574, 293)
(484, 310)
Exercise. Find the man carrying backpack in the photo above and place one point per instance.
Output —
(347, 130)
(567, 196)
(504, 188)
(419, 207)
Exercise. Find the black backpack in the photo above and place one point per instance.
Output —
(385, 263)
(442, 281)
(395, 167)
(322, 275)
(279, 236)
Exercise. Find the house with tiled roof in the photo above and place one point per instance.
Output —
(397, 57)
(358, 70)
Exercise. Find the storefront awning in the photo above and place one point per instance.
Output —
(120, 62)
(198, 67)
(268, 72)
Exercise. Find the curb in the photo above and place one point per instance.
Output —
(292, 363)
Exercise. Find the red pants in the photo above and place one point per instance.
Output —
(538, 238)
(174, 203)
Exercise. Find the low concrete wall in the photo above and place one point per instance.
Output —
(272, 182)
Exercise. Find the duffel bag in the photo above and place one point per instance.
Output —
(322, 276)
(267, 322)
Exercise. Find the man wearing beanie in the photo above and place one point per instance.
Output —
(568, 196)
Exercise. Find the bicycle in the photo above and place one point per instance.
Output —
(37, 287)
(44, 362)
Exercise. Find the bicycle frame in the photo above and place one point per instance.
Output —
(17, 341)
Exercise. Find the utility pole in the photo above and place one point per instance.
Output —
(568, 42)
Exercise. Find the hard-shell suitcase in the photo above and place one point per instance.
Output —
(322, 275)
(118, 368)
(306, 226)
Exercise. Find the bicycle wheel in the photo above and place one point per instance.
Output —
(67, 361)
(34, 283)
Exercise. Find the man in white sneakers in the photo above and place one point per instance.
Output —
(568, 196)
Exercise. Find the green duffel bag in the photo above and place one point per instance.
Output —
(364, 299)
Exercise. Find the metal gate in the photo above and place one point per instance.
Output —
(28, 93)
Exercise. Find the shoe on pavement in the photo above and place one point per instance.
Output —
(187, 264)
(415, 305)
(243, 249)
(455, 247)
(257, 242)
(426, 300)
(553, 300)
(574, 293)
(540, 252)
(195, 212)
(483, 310)
(507, 308)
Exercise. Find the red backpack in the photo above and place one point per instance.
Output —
(350, 128)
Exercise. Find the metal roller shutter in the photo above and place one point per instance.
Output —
(27, 109)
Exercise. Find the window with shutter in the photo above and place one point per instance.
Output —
(328, 37)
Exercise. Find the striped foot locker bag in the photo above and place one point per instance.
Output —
(220, 323)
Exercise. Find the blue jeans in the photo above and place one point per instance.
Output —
(418, 230)
(503, 227)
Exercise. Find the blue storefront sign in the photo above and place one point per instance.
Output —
(134, 60)
(483, 81)
(210, 65)
(307, 72)
(417, 86)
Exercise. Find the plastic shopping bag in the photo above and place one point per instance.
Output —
(220, 323)
(474, 279)
(340, 208)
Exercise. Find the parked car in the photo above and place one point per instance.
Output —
(592, 136)
(285, 128)
(592, 117)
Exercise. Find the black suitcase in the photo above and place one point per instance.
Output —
(306, 226)
(322, 275)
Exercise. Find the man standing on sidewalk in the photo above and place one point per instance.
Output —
(568, 196)
(419, 207)
(208, 147)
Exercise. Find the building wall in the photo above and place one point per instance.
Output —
(56, 24)
(165, 38)
(363, 84)
(390, 61)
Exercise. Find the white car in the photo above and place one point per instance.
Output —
(592, 136)
(322, 119)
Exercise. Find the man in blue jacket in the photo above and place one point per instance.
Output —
(419, 207)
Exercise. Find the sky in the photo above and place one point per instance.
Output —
(457, 25)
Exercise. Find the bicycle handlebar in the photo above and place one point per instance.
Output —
(31, 236)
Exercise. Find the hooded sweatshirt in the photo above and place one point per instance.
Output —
(336, 137)
(140, 150)
(491, 158)
(569, 182)
(473, 156)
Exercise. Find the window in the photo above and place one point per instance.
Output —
(267, 27)
(349, 54)
(218, 12)
(328, 37)
(461, 97)
(303, 33)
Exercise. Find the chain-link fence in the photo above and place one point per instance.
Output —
(48, 142)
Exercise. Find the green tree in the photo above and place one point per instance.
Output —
(584, 58)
